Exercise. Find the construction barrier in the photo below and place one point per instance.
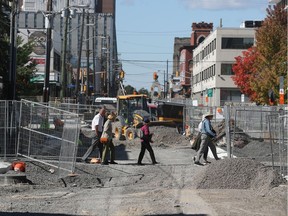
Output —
(48, 135)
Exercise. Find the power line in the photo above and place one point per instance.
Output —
(169, 61)
(149, 53)
(160, 32)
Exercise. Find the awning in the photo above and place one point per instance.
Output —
(38, 78)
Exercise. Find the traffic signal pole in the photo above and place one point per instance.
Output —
(48, 25)
(79, 57)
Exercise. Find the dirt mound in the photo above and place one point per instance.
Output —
(238, 173)
(167, 136)
(163, 137)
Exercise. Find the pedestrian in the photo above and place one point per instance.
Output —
(207, 134)
(210, 145)
(97, 126)
(108, 145)
(146, 139)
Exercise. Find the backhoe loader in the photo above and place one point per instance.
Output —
(132, 109)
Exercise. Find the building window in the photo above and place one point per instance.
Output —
(229, 95)
(226, 69)
(30, 5)
(214, 44)
(201, 39)
(237, 43)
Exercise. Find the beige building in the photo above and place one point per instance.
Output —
(212, 66)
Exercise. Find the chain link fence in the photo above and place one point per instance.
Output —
(245, 130)
(52, 132)
(48, 135)
(278, 127)
(9, 115)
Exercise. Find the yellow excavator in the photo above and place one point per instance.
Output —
(132, 109)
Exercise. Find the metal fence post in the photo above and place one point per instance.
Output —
(227, 130)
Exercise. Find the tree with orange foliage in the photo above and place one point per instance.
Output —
(243, 70)
(257, 72)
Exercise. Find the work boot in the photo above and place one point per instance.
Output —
(113, 162)
(105, 163)
(198, 163)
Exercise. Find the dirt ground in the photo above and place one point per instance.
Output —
(175, 186)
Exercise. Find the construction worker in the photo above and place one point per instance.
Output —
(107, 133)
(97, 126)
(207, 133)
(145, 143)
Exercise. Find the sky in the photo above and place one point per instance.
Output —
(146, 30)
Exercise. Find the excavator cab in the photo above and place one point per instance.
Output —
(128, 104)
(131, 110)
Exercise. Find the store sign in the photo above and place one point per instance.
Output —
(39, 61)
(39, 40)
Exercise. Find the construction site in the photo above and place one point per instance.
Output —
(250, 178)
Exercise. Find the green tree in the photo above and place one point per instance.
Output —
(261, 67)
(4, 46)
(143, 91)
(26, 69)
(129, 89)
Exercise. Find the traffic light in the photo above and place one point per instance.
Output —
(155, 76)
(121, 74)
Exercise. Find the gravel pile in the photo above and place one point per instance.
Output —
(163, 137)
(238, 173)
(167, 136)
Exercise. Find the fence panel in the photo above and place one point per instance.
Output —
(278, 127)
(193, 116)
(258, 132)
(9, 115)
(48, 133)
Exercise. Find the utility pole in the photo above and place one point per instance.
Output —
(87, 55)
(167, 88)
(108, 65)
(79, 57)
(48, 25)
(94, 59)
(64, 48)
(13, 49)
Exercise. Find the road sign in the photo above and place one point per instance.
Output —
(210, 93)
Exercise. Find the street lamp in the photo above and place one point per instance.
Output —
(68, 13)
(63, 60)
(48, 26)
(164, 81)
(82, 39)
(79, 56)
(108, 53)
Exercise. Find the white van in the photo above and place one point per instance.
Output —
(109, 102)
